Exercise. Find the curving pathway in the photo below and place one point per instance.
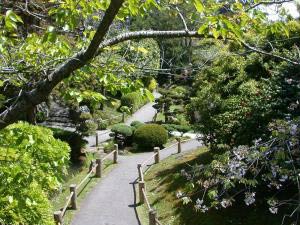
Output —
(112, 201)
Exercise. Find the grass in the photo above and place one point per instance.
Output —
(164, 180)
(75, 176)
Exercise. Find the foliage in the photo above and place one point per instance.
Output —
(122, 129)
(32, 164)
(175, 127)
(149, 82)
(269, 167)
(238, 96)
(149, 136)
(133, 100)
(86, 126)
(136, 124)
(102, 124)
(75, 141)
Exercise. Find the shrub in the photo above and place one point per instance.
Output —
(136, 124)
(149, 136)
(102, 124)
(75, 141)
(179, 128)
(122, 129)
(133, 100)
(32, 164)
(109, 146)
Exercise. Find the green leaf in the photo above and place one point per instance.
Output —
(199, 6)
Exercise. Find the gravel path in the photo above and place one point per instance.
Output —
(113, 200)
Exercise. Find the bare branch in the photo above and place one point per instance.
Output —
(267, 3)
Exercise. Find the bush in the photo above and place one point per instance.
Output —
(133, 100)
(32, 164)
(149, 136)
(75, 141)
(136, 124)
(175, 127)
(102, 124)
(122, 129)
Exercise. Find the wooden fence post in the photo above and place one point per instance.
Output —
(58, 217)
(141, 195)
(139, 166)
(179, 144)
(116, 153)
(156, 151)
(74, 196)
(99, 167)
(152, 217)
(97, 139)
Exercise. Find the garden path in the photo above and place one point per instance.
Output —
(113, 200)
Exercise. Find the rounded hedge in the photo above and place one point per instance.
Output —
(149, 136)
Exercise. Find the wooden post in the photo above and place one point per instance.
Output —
(123, 117)
(99, 167)
(74, 196)
(97, 140)
(179, 145)
(139, 166)
(156, 151)
(58, 217)
(116, 153)
(152, 217)
(141, 195)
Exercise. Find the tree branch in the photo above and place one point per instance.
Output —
(43, 88)
(267, 3)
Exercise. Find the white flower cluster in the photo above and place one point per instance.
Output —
(200, 206)
(226, 203)
(249, 198)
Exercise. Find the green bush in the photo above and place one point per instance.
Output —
(75, 141)
(32, 164)
(122, 129)
(136, 124)
(102, 124)
(176, 127)
(133, 100)
(149, 136)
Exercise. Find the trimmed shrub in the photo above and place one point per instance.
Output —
(122, 129)
(136, 124)
(149, 136)
(179, 128)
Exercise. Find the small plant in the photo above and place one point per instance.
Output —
(122, 134)
(149, 136)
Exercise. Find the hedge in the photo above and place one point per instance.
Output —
(149, 136)
(133, 100)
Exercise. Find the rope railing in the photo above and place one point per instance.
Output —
(153, 218)
(108, 155)
(146, 199)
(67, 203)
(87, 176)
(147, 160)
(72, 198)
